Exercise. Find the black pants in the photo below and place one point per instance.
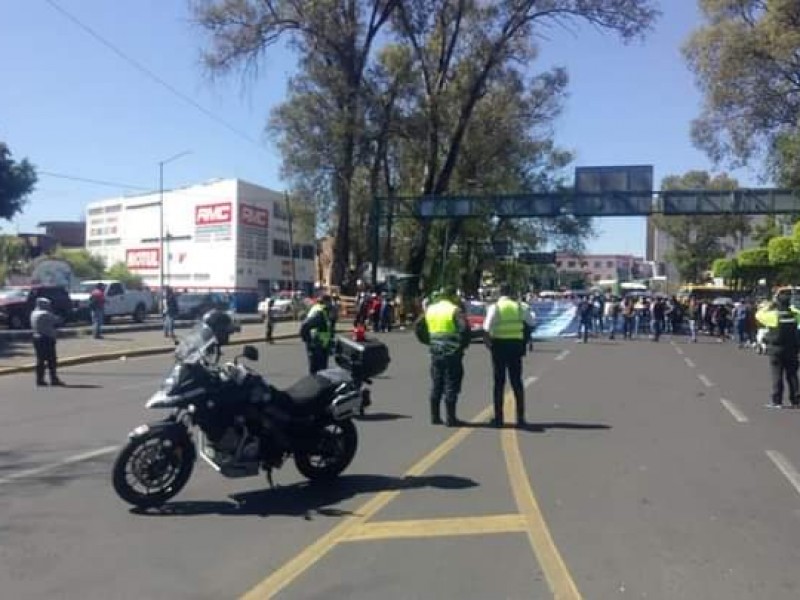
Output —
(45, 348)
(317, 358)
(270, 327)
(784, 365)
(447, 373)
(507, 358)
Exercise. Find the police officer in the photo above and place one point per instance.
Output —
(317, 333)
(44, 324)
(782, 348)
(445, 330)
(507, 327)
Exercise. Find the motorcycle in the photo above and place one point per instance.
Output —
(240, 425)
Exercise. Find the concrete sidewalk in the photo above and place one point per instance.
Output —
(18, 356)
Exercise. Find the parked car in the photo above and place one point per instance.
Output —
(476, 314)
(120, 300)
(17, 304)
(288, 305)
(193, 305)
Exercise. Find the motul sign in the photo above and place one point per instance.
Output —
(253, 215)
(142, 258)
(212, 214)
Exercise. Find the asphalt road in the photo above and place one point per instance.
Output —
(635, 480)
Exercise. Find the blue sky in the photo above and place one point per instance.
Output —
(73, 107)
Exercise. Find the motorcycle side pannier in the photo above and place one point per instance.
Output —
(364, 359)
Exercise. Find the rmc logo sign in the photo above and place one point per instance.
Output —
(142, 258)
(212, 214)
(253, 216)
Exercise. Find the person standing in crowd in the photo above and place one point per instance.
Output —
(740, 322)
(44, 324)
(694, 318)
(585, 315)
(444, 329)
(97, 304)
(627, 318)
(676, 315)
(613, 310)
(782, 348)
(722, 319)
(657, 318)
(507, 327)
(317, 334)
(598, 305)
(269, 319)
(336, 307)
(170, 312)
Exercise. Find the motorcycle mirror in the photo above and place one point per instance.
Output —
(250, 353)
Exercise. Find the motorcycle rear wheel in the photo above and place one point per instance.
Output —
(151, 469)
(337, 446)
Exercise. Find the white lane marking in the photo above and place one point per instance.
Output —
(57, 465)
(563, 355)
(785, 467)
(734, 410)
(530, 381)
(706, 381)
(679, 350)
(689, 362)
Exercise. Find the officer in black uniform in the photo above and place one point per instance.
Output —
(782, 348)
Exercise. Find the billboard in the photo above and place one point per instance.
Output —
(213, 222)
(253, 216)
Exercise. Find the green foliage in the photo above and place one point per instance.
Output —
(781, 251)
(745, 62)
(753, 257)
(698, 241)
(120, 271)
(84, 264)
(17, 180)
(726, 268)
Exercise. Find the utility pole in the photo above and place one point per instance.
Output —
(161, 220)
(291, 239)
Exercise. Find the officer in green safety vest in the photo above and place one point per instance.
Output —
(782, 347)
(317, 333)
(507, 329)
(446, 331)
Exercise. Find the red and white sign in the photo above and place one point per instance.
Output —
(142, 258)
(253, 216)
(212, 214)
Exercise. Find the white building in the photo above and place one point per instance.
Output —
(226, 235)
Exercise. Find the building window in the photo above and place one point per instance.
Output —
(202, 276)
(571, 264)
(597, 277)
(597, 264)
(94, 243)
(96, 211)
(113, 208)
(111, 242)
(585, 265)
(609, 264)
(558, 264)
(308, 252)
(281, 248)
(147, 205)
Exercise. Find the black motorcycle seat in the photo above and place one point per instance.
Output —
(309, 395)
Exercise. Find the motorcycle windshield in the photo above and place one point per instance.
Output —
(195, 344)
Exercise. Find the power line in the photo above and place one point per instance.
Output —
(143, 69)
(94, 181)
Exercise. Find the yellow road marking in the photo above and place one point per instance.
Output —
(421, 528)
(279, 579)
(550, 560)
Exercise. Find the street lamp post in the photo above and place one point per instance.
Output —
(161, 219)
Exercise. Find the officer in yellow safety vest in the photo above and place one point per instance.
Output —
(507, 329)
(782, 347)
(446, 331)
(317, 333)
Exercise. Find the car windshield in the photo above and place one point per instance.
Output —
(194, 344)
(13, 293)
(476, 310)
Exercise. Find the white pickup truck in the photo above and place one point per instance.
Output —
(120, 300)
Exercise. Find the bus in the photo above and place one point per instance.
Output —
(705, 292)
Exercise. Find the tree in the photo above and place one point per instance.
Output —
(334, 40)
(698, 240)
(12, 251)
(84, 264)
(726, 268)
(17, 180)
(746, 61)
(754, 265)
(460, 47)
(120, 272)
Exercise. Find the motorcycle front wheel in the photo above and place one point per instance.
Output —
(334, 451)
(152, 468)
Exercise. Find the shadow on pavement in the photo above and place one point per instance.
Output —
(306, 499)
(382, 416)
(539, 427)
(80, 386)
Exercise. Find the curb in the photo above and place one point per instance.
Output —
(135, 353)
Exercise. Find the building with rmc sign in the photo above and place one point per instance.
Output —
(226, 235)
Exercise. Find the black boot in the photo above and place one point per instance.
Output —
(497, 421)
(436, 418)
(452, 421)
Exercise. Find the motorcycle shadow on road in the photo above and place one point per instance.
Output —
(534, 427)
(307, 500)
(381, 416)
